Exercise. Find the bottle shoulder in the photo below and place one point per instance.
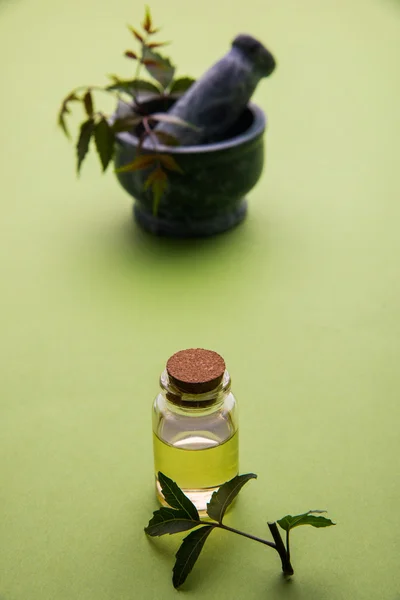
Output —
(171, 423)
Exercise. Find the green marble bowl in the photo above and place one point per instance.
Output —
(209, 197)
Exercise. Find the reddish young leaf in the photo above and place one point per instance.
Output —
(82, 145)
(130, 54)
(157, 44)
(104, 140)
(169, 163)
(150, 63)
(147, 23)
(137, 35)
(88, 103)
(141, 162)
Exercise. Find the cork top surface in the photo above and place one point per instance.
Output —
(196, 370)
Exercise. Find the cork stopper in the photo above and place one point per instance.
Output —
(196, 370)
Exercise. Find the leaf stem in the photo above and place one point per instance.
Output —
(287, 544)
(138, 67)
(247, 535)
(280, 547)
(150, 134)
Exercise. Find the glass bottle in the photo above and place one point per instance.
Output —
(195, 430)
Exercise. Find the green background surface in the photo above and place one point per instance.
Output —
(302, 300)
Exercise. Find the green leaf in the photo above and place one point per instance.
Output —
(64, 110)
(88, 103)
(169, 163)
(104, 140)
(168, 520)
(158, 186)
(151, 178)
(126, 123)
(173, 120)
(166, 138)
(62, 122)
(181, 85)
(221, 499)
(141, 162)
(160, 68)
(188, 553)
(289, 522)
(82, 146)
(133, 86)
(173, 494)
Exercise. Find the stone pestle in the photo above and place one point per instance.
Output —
(215, 101)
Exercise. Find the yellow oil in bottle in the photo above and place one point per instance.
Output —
(198, 464)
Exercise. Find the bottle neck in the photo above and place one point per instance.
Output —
(181, 401)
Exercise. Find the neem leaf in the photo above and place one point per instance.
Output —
(150, 63)
(188, 553)
(289, 522)
(158, 187)
(169, 163)
(181, 85)
(125, 123)
(62, 122)
(176, 498)
(88, 103)
(147, 23)
(136, 34)
(64, 110)
(104, 140)
(82, 146)
(152, 177)
(130, 54)
(158, 181)
(157, 44)
(173, 120)
(141, 162)
(168, 520)
(221, 499)
(160, 68)
(166, 138)
(133, 86)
